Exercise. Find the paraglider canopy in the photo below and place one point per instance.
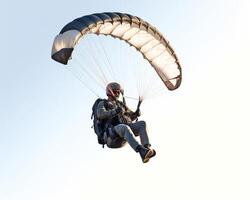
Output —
(131, 29)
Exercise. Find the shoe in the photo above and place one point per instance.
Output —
(147, 146)
(145, 153)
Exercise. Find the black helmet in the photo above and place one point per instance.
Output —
(113, 88)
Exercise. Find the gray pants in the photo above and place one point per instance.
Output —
(128, 132)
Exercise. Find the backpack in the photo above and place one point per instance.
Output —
(98, 125)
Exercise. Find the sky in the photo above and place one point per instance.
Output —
(200, 131)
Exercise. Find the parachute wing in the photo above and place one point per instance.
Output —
(131, 29)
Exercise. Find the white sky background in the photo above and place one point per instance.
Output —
(200, 131)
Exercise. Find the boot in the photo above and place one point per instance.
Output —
(147, 146)
(145, 153)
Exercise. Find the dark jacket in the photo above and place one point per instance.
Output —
(107, 110)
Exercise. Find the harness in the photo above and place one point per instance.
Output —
(104, 129)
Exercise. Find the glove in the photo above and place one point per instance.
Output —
(118, 110)
(138, 112)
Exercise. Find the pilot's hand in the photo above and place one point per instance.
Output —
(138, 112)
(118, 110)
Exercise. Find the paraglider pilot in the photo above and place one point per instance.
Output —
(120, 124)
